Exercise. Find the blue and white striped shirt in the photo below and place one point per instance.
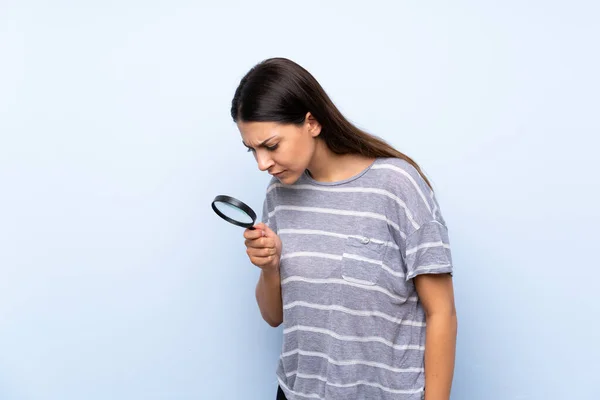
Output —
(354, 327)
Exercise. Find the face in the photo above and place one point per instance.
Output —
(283, 150)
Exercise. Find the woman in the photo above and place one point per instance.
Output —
(353, 249)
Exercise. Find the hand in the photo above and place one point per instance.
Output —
(263, 247)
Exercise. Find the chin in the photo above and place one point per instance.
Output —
(288, 178)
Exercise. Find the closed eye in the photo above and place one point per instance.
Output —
(272, 147)
(269, 148)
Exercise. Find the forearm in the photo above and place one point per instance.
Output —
(440, 349)
(268, 297)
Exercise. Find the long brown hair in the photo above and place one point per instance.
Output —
(280, 90)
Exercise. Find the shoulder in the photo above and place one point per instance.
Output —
(399, 176)
(271, 189)
(276, 191)
(271, 184)
(408, 188)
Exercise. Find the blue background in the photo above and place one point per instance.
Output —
(118, 282)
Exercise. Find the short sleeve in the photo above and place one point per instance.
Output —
(269, 221)
(421, 232)
(427, 250)
(268, 216)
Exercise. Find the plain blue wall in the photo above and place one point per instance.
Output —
(118, 282)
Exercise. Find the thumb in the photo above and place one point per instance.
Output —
(265, 229)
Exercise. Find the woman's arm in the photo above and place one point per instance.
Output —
(436, 293)
(268, 297)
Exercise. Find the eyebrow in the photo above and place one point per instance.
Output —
(261, 143)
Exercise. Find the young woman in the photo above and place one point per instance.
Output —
(353, 249)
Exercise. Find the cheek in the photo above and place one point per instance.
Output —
(291, 158)
(294, 154)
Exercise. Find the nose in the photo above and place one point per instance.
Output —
(264, 161)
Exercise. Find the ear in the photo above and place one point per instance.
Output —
(314, 127)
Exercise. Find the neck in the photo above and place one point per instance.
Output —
(326, 166)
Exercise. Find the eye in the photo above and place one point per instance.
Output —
(250, 150)
(272, 148)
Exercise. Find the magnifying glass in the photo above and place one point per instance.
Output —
(234, 211)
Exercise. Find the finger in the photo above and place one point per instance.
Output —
(261, 261)
(264, 228)
(261, 226)
(265, 252)
(253, 234)
(268, 231)
(260, 243)
(261, 252)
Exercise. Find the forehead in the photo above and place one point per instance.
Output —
(259, 131)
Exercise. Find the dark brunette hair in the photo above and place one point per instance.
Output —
(280, 90)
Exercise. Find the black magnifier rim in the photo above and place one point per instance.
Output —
(236, 203)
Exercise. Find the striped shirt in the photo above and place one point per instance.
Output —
(353, 325)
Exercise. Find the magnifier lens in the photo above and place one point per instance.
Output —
(233, 212)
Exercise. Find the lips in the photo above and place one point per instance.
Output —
(277, 173)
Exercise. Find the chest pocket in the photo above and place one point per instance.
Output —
(362, 260)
